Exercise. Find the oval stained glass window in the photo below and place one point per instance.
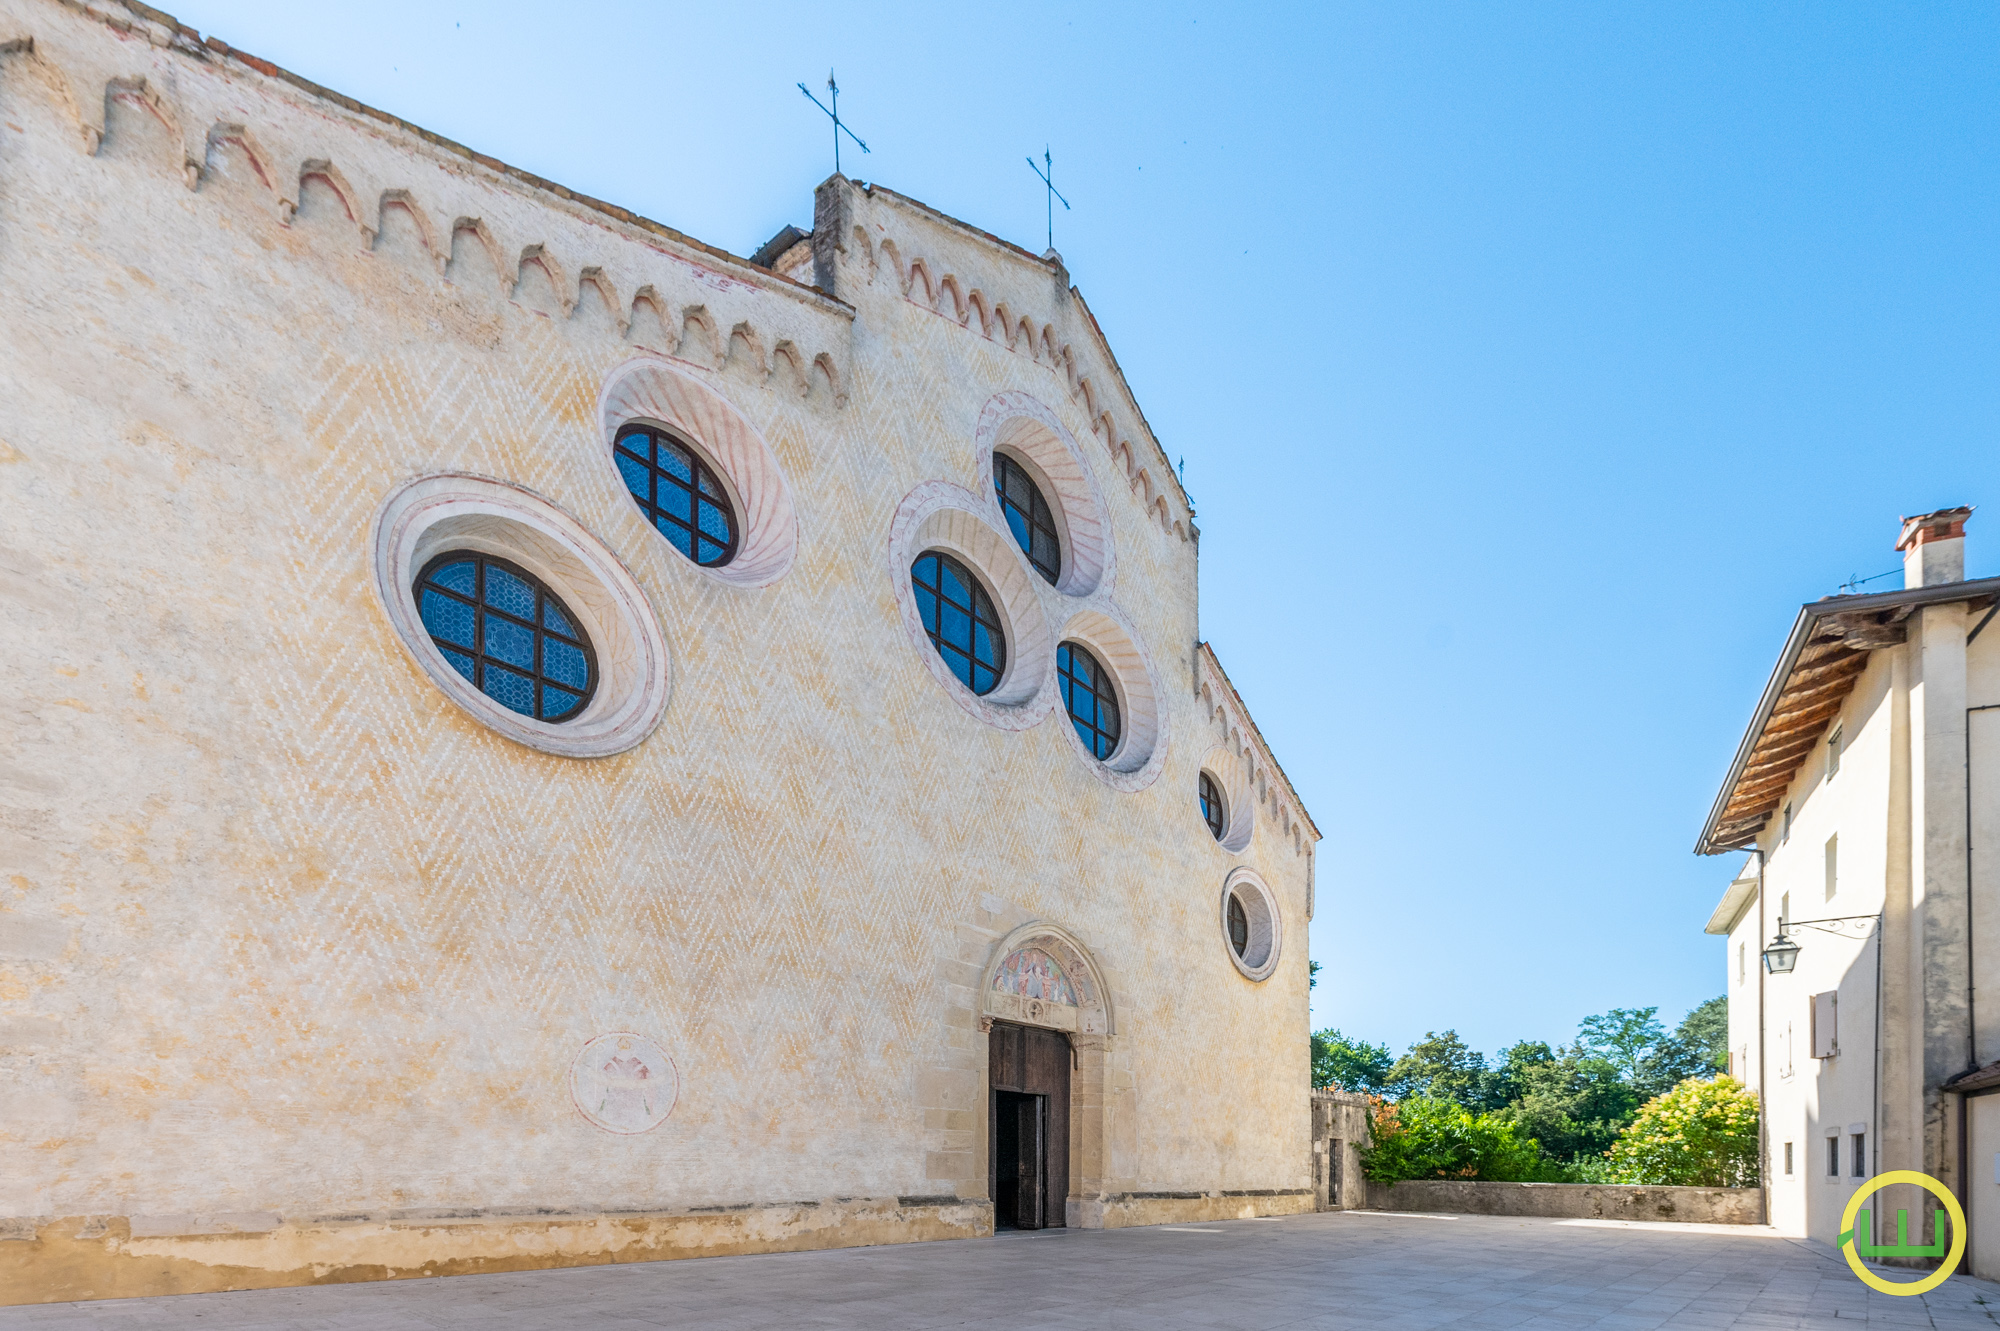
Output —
(507, 633)
(1090, 698)
(679, 494)
(1029, 516)
(958, 615)
(1211, 805)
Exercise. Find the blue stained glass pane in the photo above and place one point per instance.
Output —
(564, 663)
(638, 443)
(448, 619)
(927, 607)
(512, 691)
(557, 702)
(1083, 733)
(674, 462)
(710, 486)
(458, 577)
(952, 585)
(636, 473)
(506, 592)
(982, 644)
(983, 681)
(509, 642)
(459, 661)
(683, 542)
(715, 522)
(1019, 526)
(554, 618)
(962, 668)
(679, 502)
(956, 626)
(1083, 707)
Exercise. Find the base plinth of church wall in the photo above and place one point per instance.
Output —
(1122, 1211)
(60, 1260)
(1572, 1201)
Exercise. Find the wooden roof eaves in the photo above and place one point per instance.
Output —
(1711, 841)
(1208, 653)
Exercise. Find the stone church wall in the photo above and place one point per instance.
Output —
(300, 960)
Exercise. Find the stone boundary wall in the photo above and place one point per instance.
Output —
(1584, 1201)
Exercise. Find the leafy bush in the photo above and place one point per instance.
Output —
(1431, 1137)
(1700, 1134)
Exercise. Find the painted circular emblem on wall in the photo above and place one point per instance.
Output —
(624, 1083)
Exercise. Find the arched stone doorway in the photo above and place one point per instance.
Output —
(1046, 1013)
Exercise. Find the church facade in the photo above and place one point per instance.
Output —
(534, 741)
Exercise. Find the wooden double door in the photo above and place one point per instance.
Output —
(1028, 1126)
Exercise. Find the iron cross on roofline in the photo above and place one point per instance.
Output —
(833, 93)
(1054, 193)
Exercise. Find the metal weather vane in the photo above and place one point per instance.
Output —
(1054, 194)
(833, 112)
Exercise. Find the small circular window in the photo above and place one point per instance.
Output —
(679, 493)
(959, 616)
(1250, 924)
(1028, 516)
(1090, 697)
(508, 634)
(1213, 811)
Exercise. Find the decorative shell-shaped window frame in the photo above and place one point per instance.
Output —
(938, 515)
(1040, 975)
(648, 391)
(1239, 806)
(1142, 744)
(449, 511)
(1026, 429)
(1266, 927)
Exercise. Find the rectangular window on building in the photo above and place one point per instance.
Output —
(1832, 865)
(1825, 1011)
(1833, 753)
(1860, 1154)
(1788, 1157)
(1833, 1156)
(1785, 833)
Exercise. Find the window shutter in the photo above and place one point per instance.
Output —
(1825, 1032)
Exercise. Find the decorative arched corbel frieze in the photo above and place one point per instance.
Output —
(60, 86)
(324, 171)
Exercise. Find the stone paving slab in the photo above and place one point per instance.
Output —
(1328, 1272)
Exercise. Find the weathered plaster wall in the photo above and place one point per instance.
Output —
(295, 952)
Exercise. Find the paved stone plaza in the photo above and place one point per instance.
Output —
(1334, 1270)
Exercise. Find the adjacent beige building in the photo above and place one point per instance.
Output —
(1867, 790)
(531, 740)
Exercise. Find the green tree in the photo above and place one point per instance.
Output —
(1351, 1065)
(1624, 1037)
(1443, 1067)
(1428, 1137)
(1573, 1102)
(1699, 1047)
(1700, 1134)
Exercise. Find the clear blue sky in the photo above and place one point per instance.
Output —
(1532, 363)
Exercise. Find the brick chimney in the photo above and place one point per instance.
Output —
(1933, 546)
